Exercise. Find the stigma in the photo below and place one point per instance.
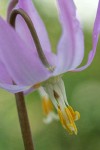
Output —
(55, 89)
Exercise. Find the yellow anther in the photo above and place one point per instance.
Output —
(61, 117)
(71, 111)
(63, 121)
(69, 115)
(71, 120)
(67, 118)
(77, 115)
(47, 105)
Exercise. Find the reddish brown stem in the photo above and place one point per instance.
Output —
(24, 122)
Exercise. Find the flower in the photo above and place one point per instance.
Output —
(20, 61)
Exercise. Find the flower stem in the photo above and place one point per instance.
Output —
(27, 19)
(24, 122)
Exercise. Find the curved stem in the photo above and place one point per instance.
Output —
(31, 27)
(12, 4)
(24, 122)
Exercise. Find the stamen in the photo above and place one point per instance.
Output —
(71, 121)
(47, 105)
(31, 27)
(67, 118)
(75, 114)
(63, 121)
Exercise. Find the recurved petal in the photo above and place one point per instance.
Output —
(22, 63)
(95, 37)
(71, 44)
(21, 27)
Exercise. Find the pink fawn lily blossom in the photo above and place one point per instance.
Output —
(20, 62)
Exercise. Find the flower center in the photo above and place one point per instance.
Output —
(55, 88)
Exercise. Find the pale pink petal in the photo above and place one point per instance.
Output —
(6, 81)
(71, 44)
(95, 37)
(22, 63)
(4, 75)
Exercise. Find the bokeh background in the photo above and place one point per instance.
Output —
(83, 92)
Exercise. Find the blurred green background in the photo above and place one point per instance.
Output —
(83, 92)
